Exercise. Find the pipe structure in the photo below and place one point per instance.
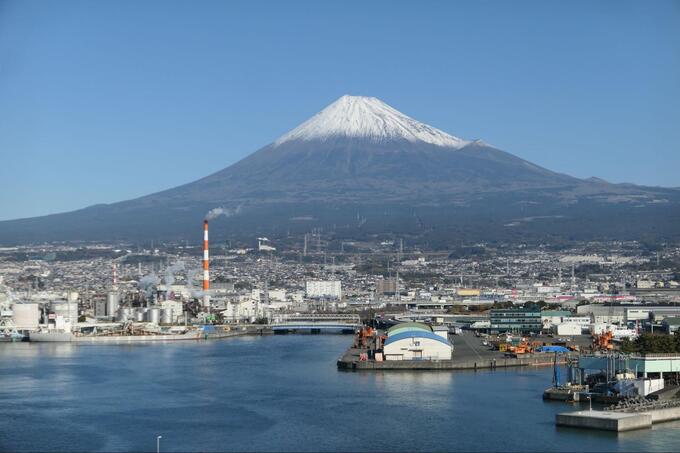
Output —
(206, 258)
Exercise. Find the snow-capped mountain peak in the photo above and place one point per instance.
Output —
(368, 118)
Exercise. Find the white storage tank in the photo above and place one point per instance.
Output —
(26, 316)
(166, 316)
(153, 315)
(139, 315)
(111, 303)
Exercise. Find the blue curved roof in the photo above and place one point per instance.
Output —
(417, 333)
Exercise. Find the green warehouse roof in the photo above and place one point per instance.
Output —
(405, 326)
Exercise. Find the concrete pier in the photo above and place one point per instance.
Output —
(604, 420)
(616, 420)
(351, 361)
(470, 353)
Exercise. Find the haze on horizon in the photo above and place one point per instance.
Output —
(105, 101)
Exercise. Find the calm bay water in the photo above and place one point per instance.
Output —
(277, 393)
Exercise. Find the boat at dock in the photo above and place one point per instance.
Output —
(567, 392)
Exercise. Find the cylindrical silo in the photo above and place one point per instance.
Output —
(139, 315)
(166, 316)
(111, 303)
(153, 315)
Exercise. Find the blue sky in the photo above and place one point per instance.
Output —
(101, 101)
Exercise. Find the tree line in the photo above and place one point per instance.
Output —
(653, 343)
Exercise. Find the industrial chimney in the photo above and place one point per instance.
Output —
(206, 258)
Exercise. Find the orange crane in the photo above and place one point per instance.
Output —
(603, 341)
(363, 335)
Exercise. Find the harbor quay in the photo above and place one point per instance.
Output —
(350, 361)
(469, 353)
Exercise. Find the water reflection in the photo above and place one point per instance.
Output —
(409, 388)
(275, 394)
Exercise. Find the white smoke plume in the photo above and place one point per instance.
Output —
(148, 283)
(192, 276)
(170, 272)
(227, 212)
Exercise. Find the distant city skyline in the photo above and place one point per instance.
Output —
(106, 101)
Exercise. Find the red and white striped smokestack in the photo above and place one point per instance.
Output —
(206, 258)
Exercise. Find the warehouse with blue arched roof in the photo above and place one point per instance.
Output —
(415, 341)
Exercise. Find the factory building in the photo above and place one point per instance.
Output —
(323, 288)
(416, 341)
(619, 314)
(613, 314)
(550, 318)
(567, 329)
(386, 286)
(26, 316)
(519, 320)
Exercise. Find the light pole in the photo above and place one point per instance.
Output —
(158, 444)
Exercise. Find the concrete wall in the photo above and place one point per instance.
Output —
(607, 421)
(665, 415)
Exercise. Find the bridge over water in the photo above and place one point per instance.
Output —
(316, 323)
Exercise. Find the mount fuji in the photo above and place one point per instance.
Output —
(361, 167)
